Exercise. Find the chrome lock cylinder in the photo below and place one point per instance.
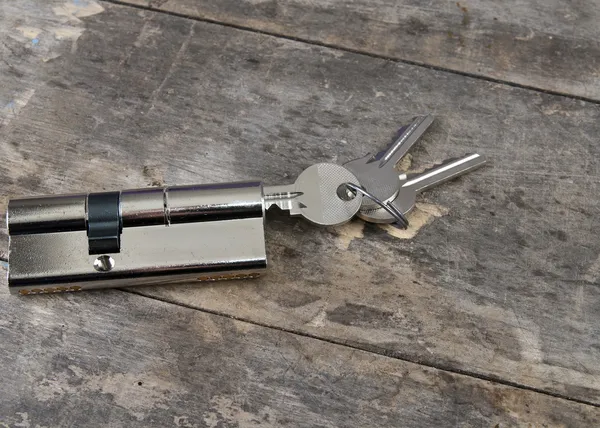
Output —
(141, 236)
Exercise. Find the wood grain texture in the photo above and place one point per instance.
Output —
(551, 45)
(114, 359)
(501, 279)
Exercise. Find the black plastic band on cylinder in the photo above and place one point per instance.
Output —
(104, 222)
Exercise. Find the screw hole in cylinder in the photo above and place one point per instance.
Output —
(104, 263)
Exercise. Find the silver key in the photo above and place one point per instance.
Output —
(315, 195)
(412, 184)
(377, 173)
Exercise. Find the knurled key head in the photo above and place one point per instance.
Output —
(320, 202)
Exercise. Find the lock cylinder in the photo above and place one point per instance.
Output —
(140, 236)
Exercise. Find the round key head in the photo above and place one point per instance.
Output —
(383, 182)
(321, 201)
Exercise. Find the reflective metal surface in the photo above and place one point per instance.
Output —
(412, 184)
(399, 217)
(377, 173)
(283, 196)
(149, 254)
(314, 195)
(143, 207)
(50, 213)
(210, 202)
(204, 232)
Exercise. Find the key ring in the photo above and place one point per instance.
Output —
(392, 210)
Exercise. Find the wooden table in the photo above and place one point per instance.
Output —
(484, 313)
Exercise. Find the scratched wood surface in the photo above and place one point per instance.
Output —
(115, 359)
(551, 45)
(497, 278)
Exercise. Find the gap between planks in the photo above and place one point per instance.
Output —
(355, 51)
(372, 350)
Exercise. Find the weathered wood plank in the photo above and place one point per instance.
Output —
(115, 359)
(501, 280)
(551, 45)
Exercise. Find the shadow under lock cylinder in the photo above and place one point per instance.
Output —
(143, 236)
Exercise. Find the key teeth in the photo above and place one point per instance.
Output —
(292, 208)
(284, 197)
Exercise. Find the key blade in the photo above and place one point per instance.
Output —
(448, 170)
(285, 197)
(404, 202)
(407, 136)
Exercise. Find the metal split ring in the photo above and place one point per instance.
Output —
(392, 210)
